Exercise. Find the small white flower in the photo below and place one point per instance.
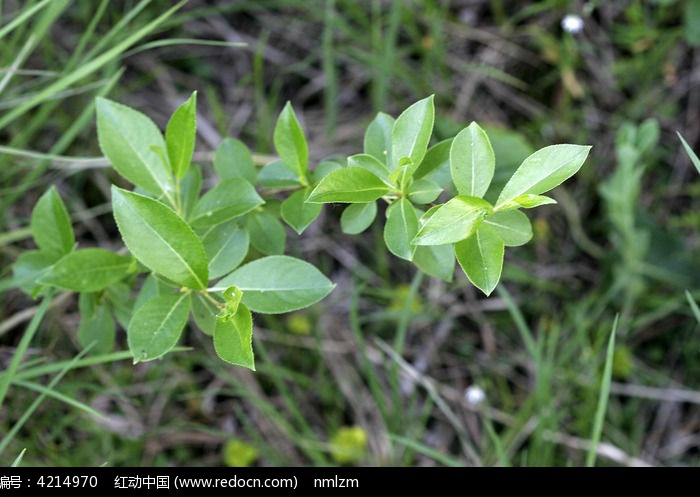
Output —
(572, 24)
(474, 395)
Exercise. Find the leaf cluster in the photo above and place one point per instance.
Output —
(216, 257)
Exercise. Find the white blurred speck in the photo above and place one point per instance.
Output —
(474, 395)
(467, 16)
(572, 24)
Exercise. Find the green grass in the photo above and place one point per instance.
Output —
(93, 73)
(602, 398)
(389, 351)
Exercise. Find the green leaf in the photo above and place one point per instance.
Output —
(647, 135)
(30, 267)
(436, 260)
(544, 170)
(402, 176)
(377, 140)
(323, 168)
(135, 147)
(96, 325)
(298, 213)
(437, 157)
(358, 217)
(190, 187)
(150, 288)
(204, 312)
(428, 214)
(528, 201)
(290, 142)
(370, 163)
(234, 160)
(277, 175)
(424, 191)
(228, 200)
(350, 184)
(278, 284)
(87, 270)
(272, 206)
(233, 338)
(232, 299)
(693, 156)
(156, 326)
(411, 133)
(472, 161)
(121, 302)
(50, 224)
(513, 227)
(453, 221)
(691, 19)
(180, 136)
(88, 302)
(226, 246)
(159, 239)
(400, 228)
(481, 258)
(267, 233)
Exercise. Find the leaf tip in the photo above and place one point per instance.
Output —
(487, 291)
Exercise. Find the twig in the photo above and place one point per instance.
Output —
(604, 449)
(665, 394)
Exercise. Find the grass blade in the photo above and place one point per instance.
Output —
(7, 377)
(37, 402)
(384, 46)
(183, 41)
(12, 70)
(22, 18)
(693, 156)
(115, 32)
(501, 455)
(427, 451)
(693, 305)
(520, 323)
(18, 459)
(30, 154)
(87, 34)
(330, 100)
(87, 68)
(277, 376)
(58, 396)
(35, 371)
(602, 398)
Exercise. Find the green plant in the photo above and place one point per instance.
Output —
(691, 154)
(621, 193)
(219, 256)
(696, 163)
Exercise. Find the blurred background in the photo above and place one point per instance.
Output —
(394, 368)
